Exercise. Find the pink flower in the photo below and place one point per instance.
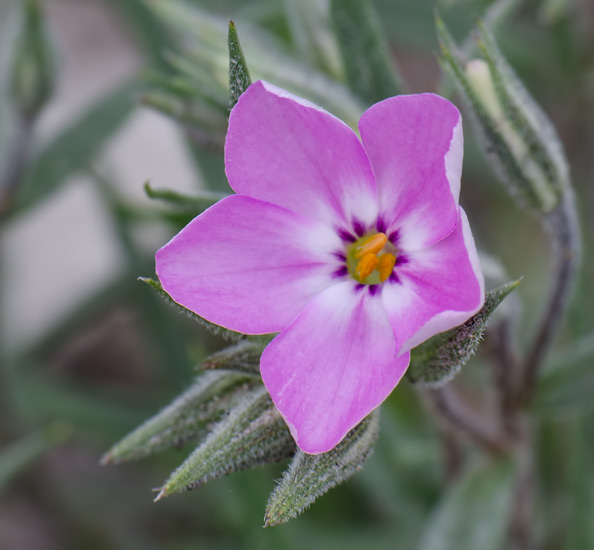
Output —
(355, 251)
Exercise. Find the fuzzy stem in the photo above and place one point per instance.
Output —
(562, 224)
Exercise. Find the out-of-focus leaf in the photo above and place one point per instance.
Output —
(198, 203)
(439, 359)
(239, 74)
(243, 357)
(309, 23)
(310, 476)
(215, 329)
(203, 38)
(186, 418)
(365, 53)
(75, 147)
(17, 457)
(254, 433)
(474, 512)
(568, 384)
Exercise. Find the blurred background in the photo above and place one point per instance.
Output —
(87, 352)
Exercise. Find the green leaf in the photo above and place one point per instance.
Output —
(197, 203)
(252, 434)
(215, 329)
(75, 147)
(439, 359)
(243, 356)
(568, 383)
(474, 512)
(187, 418)
(366, 57)
(310, 476)
(309, 24)
(239, 75)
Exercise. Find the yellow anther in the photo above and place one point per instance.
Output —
(385, 266)
(371, 245)
(366, 266)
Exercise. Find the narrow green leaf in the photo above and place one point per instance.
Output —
(239, 75)
(187, 418)
(254, 433)
(474, 512)
(199, 203)
(439, 359)
(215, 329)
(366, 57)
(310, 476)
(243, 357)
(75, 147)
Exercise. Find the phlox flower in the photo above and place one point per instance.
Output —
(353, 250)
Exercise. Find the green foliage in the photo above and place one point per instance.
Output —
(365, 53)
(239, 74)
(252, 433)
(73, 149)
(475, 510)
(187, 418)
(310, 476)
(440, 358)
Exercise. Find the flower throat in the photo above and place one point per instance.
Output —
(371, 259)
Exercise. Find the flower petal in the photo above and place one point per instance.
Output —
(248, 265)
(415, 145)
(332, 366)
(437, 289)
(285, 150)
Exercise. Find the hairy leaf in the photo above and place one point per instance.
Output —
(188, 417)
(243, 357)
(252, 434)
(215, 329)
(310, 476)
(439, 359)
(239, 75)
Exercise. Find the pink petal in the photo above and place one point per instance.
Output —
(415, 145)
(332, 366)
(285, 150)
(248, 265)
(437, 289)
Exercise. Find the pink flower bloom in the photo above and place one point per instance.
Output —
(355, 251)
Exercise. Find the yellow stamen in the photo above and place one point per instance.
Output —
(385, 266)
(371, 245)
(366, 266)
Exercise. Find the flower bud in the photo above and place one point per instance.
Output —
(517, 137)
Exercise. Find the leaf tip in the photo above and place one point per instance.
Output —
(162, 494)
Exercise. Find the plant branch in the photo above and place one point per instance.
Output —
(452, 410)
(562, 223)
